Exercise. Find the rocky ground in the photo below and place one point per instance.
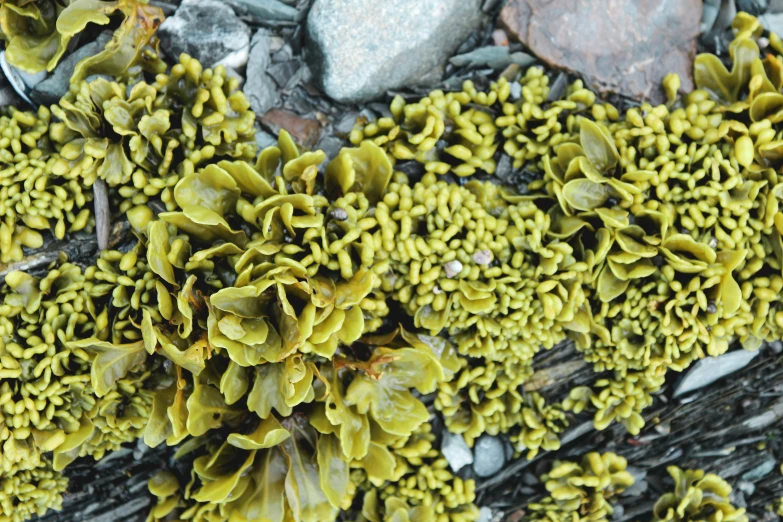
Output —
(313, 67)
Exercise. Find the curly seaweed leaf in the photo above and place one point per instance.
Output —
(307, 500)
(207, 410)
(364, 169)
(265, 499)
(268, 434)
(388, 398)
(598, 145)
(68, 451)
(710, 74)
(333, 470)
(112, 361)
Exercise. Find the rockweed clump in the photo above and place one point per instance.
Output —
(250, 321)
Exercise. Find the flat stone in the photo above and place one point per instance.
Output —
(490, 456)
(13, 89)
(8, 96)
(708, 370)
(54, 87)
(485, 514)
(626, 47)
(709, 15)
(331, 146)
(304, 130)
(207, 30)
(760, 471)
(748, 488)
(359, 49)
(282, 72)
(494, 56)
(455, 450)
(269, 9)
(31, 80)
(773, 22)
(260, 89)
(264, 139)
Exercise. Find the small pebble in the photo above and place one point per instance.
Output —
(530, 479)
(485, 514)
(490, 456)
(452, 268)
(456, 450)
(340, 214)
(499, 37)
(748, 488)
(516, 90)
(482, 257)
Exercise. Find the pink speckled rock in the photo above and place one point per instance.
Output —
(622, 46)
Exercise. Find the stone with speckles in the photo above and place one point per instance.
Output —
(625, 46)
(359, 49)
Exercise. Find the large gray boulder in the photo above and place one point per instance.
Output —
(207, 30)
(359, 49)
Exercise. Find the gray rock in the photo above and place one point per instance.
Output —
(619, 512)
(452, 268)
(775, 6)
(709, 14)
(55, 86)
(759, 472)
(269, 9)
(530, 479)
(516, 90)
(207, 30)
(638, 474)
(31, 80)
(482, 257)
(282, 72)
(13, 89)
(264, 139)
(331, 145)
(748, 488)
(455, 450)
(637, 489)
(359, 49)
(485, 514)
(8, 96)
(494, 56)
(260, 89)
(490, 456)
(770, 416)
(346, 123)
(773, 22)
(708, 370)
(577, 432)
